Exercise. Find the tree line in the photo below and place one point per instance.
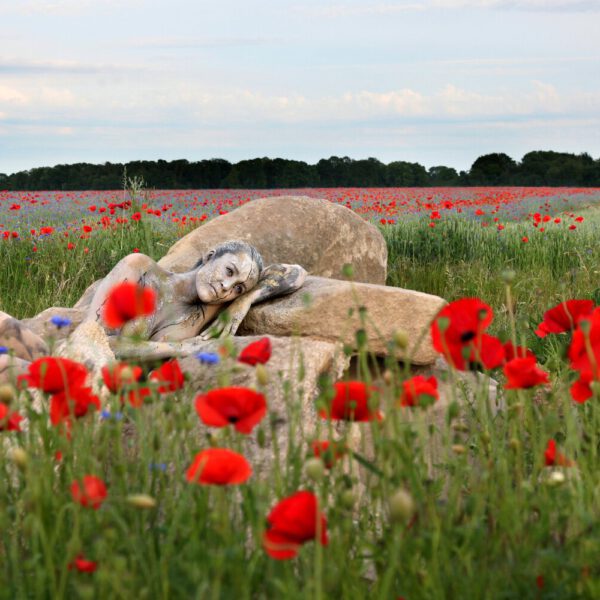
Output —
(538, 168)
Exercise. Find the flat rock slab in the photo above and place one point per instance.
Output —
(321, 309)
(317, 234)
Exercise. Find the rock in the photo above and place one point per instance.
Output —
(89, 345)
(87, 297)
(316, 234)
(321, 310)
(43, 326)
(294, 370)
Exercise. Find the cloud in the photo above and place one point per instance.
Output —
(69, 67)
(526, 5)
(61, 7)
(176, 43)
(192, 105)
(361, 9)
(12, 96)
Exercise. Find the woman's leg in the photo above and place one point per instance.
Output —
(23, 346)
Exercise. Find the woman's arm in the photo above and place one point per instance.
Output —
(275, 280)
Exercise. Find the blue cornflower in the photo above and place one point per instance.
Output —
(3, 350)
(106, 414)
(60, 321)
(208, 358)
(158, 467)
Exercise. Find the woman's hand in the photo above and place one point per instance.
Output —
(228, 321)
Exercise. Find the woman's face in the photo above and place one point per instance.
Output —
(226, 277)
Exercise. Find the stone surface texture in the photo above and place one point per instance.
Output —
(294, 370)
(43, 326)
(316, 234)
(89, 345)
(321, 310)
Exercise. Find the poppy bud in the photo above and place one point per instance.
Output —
(514, 444)
(443, 323)
(401, 339)
(314, 468)
(347, 499)
(401, 506)
(261, 438)
(7, 393)
(262, 375)
(388, 377)
(361, 338)
(126, 375)
(555, 478)
(348, 271)
(19, 457)
(459, 449)
(508, 276)
(141, 501)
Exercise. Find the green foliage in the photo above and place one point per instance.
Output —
(497, 169)
(491, 521)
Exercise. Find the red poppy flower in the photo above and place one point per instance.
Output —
(511, 351)
(238, 406)
(458, 333)
(329, 452)
(523, 373)
(581, 390)
(582, 357)
(256, 352)
(564, 317)
(170, 375)
(119, 377)
(92, 493)
(74, 403)
(553, 458)
(9, 421)
(292, 522)
(418, 391)
(352, 402)
(54, 374)
(219, 466)
(82, 564)
(128, 301)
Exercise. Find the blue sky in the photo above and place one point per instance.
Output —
(433, 81)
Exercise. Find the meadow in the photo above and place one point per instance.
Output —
(511, 509)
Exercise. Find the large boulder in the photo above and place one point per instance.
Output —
(334, 310)
(316, 234)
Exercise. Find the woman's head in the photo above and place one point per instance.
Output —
(227, 271)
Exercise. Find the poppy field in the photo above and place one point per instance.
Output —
(468, 494)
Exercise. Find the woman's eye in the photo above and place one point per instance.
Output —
(229, 272)
(238, 289)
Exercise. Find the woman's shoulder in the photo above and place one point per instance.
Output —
(137, 259)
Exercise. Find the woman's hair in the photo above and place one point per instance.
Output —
(233, 246)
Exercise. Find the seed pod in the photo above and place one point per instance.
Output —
(314, 468)
(19, 457)
(141, 501)
(7, 393)
(401, 506)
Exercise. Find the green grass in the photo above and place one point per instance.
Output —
(487, 522)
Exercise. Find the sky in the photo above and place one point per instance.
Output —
(439, 82)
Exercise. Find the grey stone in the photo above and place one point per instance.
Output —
(43, 326)
(316, 234)
(321, 309)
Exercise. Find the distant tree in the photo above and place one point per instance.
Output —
(406, 174)
(493, 169)
(442, 176)
(536, 168)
